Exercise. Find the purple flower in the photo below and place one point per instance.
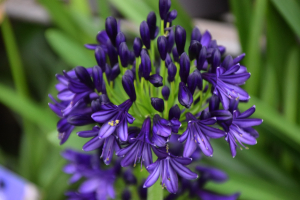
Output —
(137, 46)
(185, 97)
(99, 181)
(110, 144)
(114, 118)
(156, 80)
(165, 92)
(180, 39)
(145, 34)
(162, 47)
(139, 150)
(167, 167)
(164, 7)
(111, 27)
(78, 196)
(151, 21)
(78, 164)
(198, 132)
(127, 82)
(240, 130)
(225, 83)
(158, 104)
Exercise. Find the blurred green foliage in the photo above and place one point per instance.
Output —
(269, 33)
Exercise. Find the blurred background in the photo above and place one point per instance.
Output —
(40, 38)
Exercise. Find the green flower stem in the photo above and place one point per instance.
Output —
(162, 30)
(152, 56)
(137, 64)
(122, 69)
(155, 192)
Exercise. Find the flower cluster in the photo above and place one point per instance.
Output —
(137, 102)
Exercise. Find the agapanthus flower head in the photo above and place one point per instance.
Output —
(139, 103)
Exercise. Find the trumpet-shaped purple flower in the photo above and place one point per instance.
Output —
(139, 150)
(185, 97)
(114, 118)
(101, 182)
(198, 133)
(239, 129)
(109, 144)
(79, 163)
(225, 83)
(167, 167)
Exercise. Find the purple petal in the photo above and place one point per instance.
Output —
(206, 38)
(247, 113)
(183, 171)
(152, 178)
(190, 146)
(93, 144)
(89, 185)
(243, 123)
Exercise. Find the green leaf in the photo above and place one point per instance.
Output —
(252, 187)
(62, 18)
(242, 11)
(269, 90)
(72, 52)
(290, 10)
(291, 86)
(27, 108)
(134, 10)
(253, 51)
(277, 52)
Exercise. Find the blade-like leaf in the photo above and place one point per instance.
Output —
(253, 51)
(71, 52)
(290, 10)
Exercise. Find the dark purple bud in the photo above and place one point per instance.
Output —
(172, 70)
(171, 15)
(97, 78)
(180, 38)
(107, 71)
(131, 58)
(111, 27)
(214, 103)
(227, 62)
(130, 74)
(103, 87)
(156, 80)
(162, 46)
(100, 57)
(158, 104)
(215, 60)
(205, 115)
(104, 99)
(115, 71)
(120, 38)
(175, 54)
(129, 177)
(137, 46)
(165, 92)
(201, 58)
(80, 120)
(185, 97)
(174, 112)
(184, 67)
(145, 34)
(194, 80)
(196, 35)
(124, 54)
(112, 54)
(126, 195)
(128, 86)
(168, 60)
(145, 67)
(164, 7)
(222, 49)
(171, 40)
(194, 49)
(151, 21)
(84, 76)
(96, 105)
